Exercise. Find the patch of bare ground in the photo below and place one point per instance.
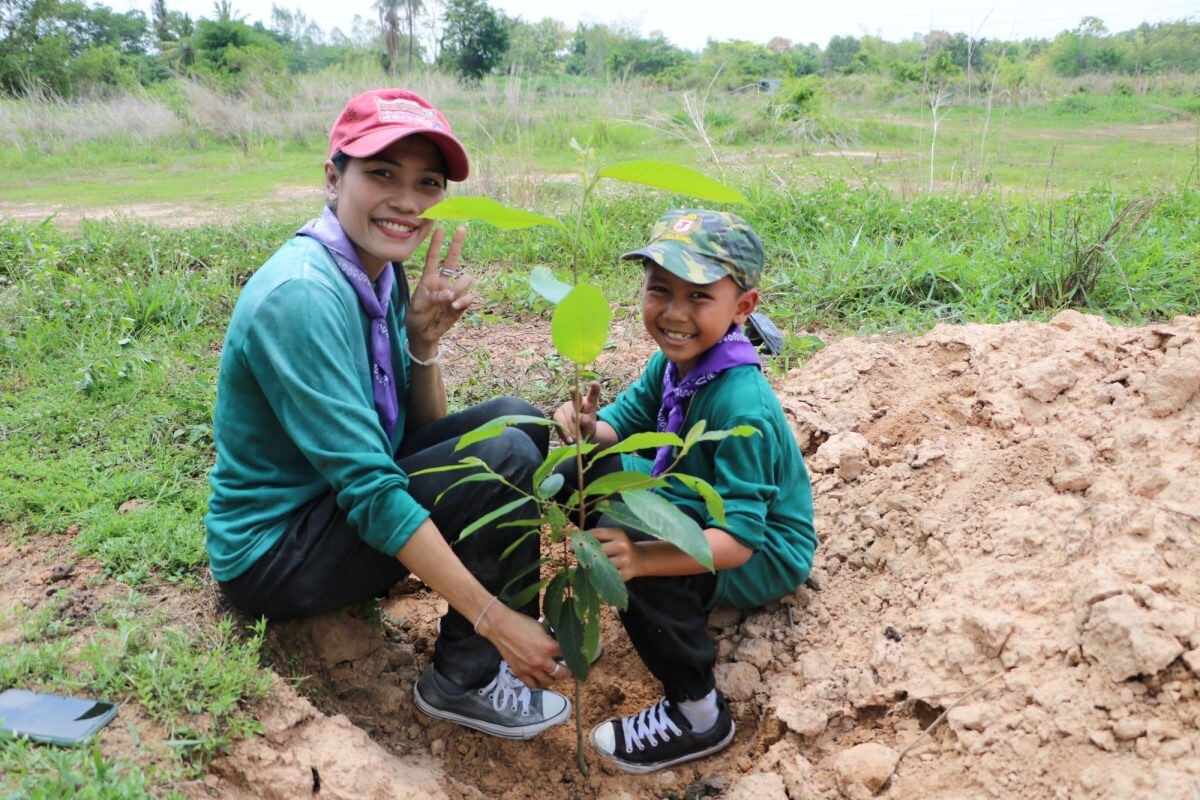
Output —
(868, 155)
(1010, 522)
(287, 200)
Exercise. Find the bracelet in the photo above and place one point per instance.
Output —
(437, 358)
(486, 608)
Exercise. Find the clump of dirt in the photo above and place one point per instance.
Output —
(1010, 516)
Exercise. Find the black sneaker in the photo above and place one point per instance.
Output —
(660, 737)
(505, 707)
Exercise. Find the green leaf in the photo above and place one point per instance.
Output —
(601, 573)
(492, 515)
(673, 178)
(494, 427)
(533, 567)
(649, 512)
(587, 601)
(579, 326)
(569, 632)
(465, 463)
(641, 441)
(483, 209)
(528, 593)
(474, 477)
(695, 437)
(508, 550)
(542, 281)
(557, 518)
(549, 487)
(556, 457)
(615, 482)
(552, 601)
(587, 608)
(712, 500)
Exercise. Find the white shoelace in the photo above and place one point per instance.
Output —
(649, 725)
(506, 690)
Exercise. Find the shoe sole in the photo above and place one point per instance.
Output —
(642, 769)
(502, 731)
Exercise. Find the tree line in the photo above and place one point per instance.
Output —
(69, 47)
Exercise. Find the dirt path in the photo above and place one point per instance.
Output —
(1014, 507)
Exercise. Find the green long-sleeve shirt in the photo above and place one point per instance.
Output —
(761, 479)
(295, 414)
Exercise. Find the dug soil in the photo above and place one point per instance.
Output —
(1004, 603)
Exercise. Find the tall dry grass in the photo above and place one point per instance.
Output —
(49, 124)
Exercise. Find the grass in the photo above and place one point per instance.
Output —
(191, 687)
(110, 332)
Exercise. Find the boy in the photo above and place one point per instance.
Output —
(701, 270)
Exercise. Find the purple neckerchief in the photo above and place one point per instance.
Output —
(733, 350)
(374, 299)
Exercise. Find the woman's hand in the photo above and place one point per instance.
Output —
(576, 419)
(441, 295)
(531, 653)
(621, 551)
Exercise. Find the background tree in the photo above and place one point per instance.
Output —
(591, 46)
(412, 9)
(475, 38)
(41, 42)
(840, 52)
(538, 48)
(646, 57)
(389, 22)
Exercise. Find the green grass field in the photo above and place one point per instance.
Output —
(110, 330)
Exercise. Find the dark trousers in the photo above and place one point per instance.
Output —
(667, 617)
(321, 564)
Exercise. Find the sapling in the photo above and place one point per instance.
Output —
(574, 576)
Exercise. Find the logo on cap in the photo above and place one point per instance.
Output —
(684, 225)
(406, 111)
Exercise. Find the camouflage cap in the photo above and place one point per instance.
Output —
(704, 246)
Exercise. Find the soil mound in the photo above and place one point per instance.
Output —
(1010, 522)
(1016, 505)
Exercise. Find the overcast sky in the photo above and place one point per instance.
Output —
(690, 24)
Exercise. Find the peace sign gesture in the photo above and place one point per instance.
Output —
(441, 295)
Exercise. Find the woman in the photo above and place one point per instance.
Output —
(330, 395)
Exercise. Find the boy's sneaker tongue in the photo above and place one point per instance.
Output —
(660, 737)
(505, 707)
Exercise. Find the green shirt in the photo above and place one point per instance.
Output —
(761, 479)
(295, 415)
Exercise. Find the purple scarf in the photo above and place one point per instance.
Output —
(374, 300)
(733, 350)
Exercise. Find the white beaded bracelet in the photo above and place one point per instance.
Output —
(437, 358)
(486, 608)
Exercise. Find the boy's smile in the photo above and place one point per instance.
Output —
(685, 319)
(379, 200)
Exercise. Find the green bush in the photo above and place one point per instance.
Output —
(801, 97)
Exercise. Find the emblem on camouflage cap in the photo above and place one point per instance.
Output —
(703, 246)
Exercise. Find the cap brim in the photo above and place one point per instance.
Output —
(667, 255)
(457, 165)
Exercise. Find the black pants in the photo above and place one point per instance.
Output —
(321, 564)
(667, 617)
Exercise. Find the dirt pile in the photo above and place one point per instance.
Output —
(1016, 505)
(1010, 522)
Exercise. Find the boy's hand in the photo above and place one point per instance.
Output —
(621, 551)
(576, 419)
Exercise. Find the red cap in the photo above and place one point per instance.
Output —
(374, 120)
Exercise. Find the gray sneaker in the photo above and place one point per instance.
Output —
(505, 707)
